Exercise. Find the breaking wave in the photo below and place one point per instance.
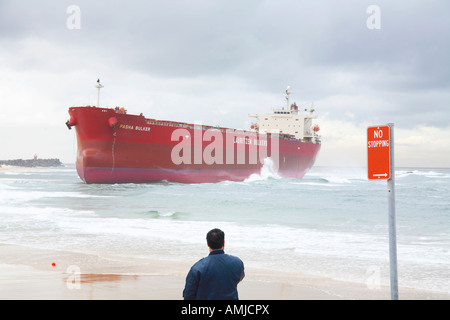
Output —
(268, 171)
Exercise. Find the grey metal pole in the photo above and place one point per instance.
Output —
(391, 214)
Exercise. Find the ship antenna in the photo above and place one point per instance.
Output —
(287, 96)
(98, 86)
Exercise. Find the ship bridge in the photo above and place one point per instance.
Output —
(288, 121)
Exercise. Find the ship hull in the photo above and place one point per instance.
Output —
(115, 147)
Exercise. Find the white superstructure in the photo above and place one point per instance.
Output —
(288, 121)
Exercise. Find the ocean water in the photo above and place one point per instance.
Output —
(331, 223)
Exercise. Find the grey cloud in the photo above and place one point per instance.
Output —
(321, 48)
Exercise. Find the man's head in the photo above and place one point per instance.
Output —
(215, 239)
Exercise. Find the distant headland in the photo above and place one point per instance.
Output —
(31, 163)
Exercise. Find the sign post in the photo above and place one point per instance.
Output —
(380, 166)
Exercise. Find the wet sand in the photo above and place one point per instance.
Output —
(28, 274)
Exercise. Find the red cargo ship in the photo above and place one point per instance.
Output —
(117, 147)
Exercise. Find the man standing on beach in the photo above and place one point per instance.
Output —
(216, 276)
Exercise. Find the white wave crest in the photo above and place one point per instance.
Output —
(268, 171)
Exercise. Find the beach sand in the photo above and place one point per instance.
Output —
(28, 274)
(9, 168)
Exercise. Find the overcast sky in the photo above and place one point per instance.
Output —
(215, 61)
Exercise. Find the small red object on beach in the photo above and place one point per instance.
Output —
(53, 264)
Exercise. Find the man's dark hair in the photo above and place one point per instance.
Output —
(215, 239)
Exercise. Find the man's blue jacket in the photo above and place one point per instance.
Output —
(214, 277)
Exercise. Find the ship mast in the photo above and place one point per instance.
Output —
(287, 97)
(98, 86)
